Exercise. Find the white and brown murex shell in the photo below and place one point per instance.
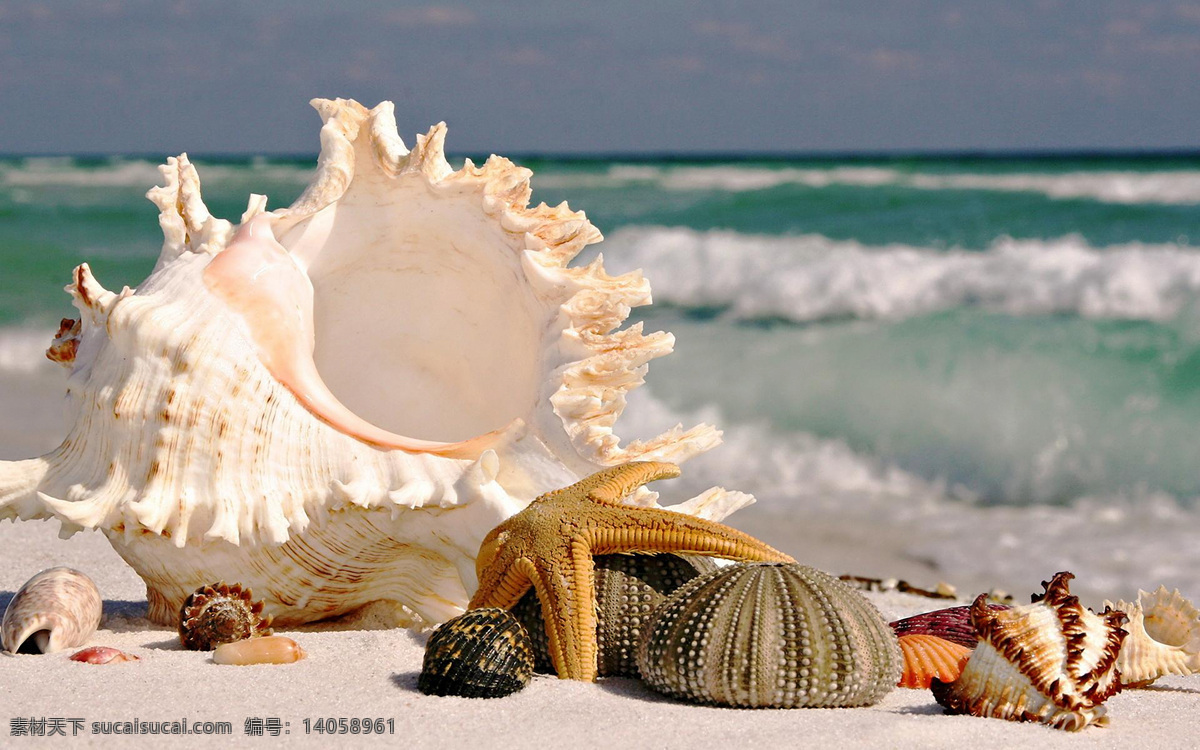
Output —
(1053, 661)
(270, 405)
(1164, 637)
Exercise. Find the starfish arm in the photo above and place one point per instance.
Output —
(653, 530)
(612, 485)
(569, 611)
(504, 589)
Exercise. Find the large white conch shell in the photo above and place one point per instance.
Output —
(1164, 637)
(270, 406)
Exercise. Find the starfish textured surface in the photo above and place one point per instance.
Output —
(550, 546)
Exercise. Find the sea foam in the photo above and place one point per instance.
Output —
(1129, 187)
(806, 278)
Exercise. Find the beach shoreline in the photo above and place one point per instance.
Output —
(372, 674)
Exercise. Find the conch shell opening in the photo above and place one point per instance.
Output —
(278, 399)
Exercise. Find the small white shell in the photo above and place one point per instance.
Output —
(57, 609)
(271, 649)
(1164, 637)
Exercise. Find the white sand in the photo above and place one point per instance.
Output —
(373, 674)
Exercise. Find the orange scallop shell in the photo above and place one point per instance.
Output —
(927, 656)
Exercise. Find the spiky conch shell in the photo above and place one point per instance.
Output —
(240, 416)
(628, 590)
(221, 613)
(1164, 637)
(482, 653)
(58, 608)
(1052, 661)
(770, 636)
(927, 657)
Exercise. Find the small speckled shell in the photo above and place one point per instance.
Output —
(628, 589)
(483, 653)
(1164, 637)
(220, 613)
(57, 609)
(952, 624)
(927, 656)
(770, 635)
(1052, 661)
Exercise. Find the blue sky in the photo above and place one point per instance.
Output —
(158, 76)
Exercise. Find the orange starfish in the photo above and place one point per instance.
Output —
(550, 546)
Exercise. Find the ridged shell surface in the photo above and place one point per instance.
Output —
(57, 609)
(1164, 637)
(221, 613)
(628, 590)
(927, 656)
(334, 402)
(1052, 661)
(952, 624)
(483, 653)
(770, 636)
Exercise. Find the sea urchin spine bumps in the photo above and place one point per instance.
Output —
(483, 653)
(770, 636)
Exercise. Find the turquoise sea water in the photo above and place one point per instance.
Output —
(1009, 331)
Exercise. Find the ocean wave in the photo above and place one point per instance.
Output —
(23, 350)
(36, 172)
(1114, 542)
(1167, 186)
(807, 278)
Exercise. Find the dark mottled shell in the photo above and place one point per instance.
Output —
(628, 589)
(221, 613)
(953, 624)
(483, 653)
(770, 636)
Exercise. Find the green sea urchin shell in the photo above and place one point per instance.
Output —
(770, 636)
(483, 653)
(221, 613)
(628, 590)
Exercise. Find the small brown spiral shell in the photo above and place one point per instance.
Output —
(221, 613)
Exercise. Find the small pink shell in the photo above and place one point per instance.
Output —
(103, 655)
(927, 656)
(953, 624)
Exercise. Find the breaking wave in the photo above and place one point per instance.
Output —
(808, 278)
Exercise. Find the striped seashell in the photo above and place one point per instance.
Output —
(927, 656)
(483, 653)
(220, 613)
(1164, 637)
(57, 609)
(770, 636)
(628, 589)
(952, 624)
(1052, 661)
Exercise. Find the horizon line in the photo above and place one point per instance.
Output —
(704, 155)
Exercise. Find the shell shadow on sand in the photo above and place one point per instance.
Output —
(406, 681)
